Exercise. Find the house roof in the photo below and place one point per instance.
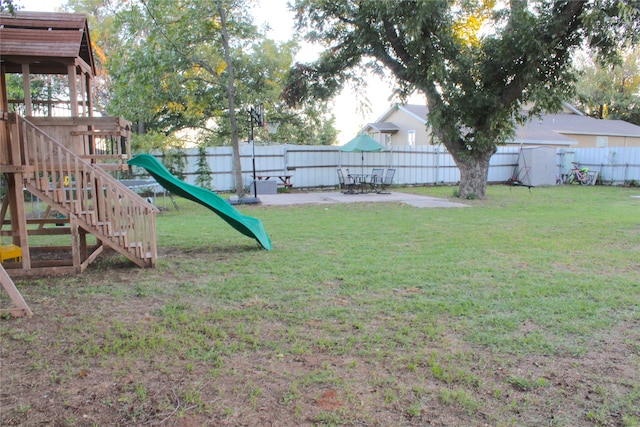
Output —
(585, 125)
(538, 134)
(550, 129)
(387, 127)
(49, 42)
(418, 112)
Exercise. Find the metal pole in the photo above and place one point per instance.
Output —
(253, 154)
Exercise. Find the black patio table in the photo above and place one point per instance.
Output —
(361, 180)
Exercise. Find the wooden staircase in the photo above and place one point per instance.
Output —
(89, 198)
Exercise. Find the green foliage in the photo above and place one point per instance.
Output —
(526, 384)
(7, 5)
(175, 161)
(308, 126)
(163, 65)
(150, 141)
(611, 91)
(158, 75)
(105, 43)
(203, 178)
(304, 126)
(45, 88)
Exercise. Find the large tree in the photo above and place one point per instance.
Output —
(476, 63)
(138, 44)
(170, 69)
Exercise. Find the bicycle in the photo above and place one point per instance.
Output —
(578, 175)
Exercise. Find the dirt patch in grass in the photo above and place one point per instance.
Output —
(124, 346)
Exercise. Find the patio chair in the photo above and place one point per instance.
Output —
(377, 174)
(346, 182)
(386, 181)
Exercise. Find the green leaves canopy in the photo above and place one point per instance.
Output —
(168, 71)
(611, 91)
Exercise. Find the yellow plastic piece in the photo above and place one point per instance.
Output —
(10, 252)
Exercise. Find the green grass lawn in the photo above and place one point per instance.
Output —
(523, 309)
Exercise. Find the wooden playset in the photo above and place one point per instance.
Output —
(64, 163)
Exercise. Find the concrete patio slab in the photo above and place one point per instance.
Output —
(336, 197)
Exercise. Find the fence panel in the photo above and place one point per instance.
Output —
(312, 166)
(503, 164)
(315, 166)
(615, 165)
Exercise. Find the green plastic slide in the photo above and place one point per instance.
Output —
(251, 227)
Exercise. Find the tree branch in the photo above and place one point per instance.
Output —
(565, 23)
(395, 41)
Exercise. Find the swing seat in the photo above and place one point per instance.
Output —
(10, 252)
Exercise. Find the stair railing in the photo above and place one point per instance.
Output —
(103, 205)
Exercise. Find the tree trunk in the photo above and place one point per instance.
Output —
(474, 171)
(472, 164)
(231, 92)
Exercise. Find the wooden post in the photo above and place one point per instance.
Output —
(26, 86)
(5, 207)
(21, 308)
(84, 250)
(84, 95)
(4, 119)
(73, 90)
(16, 196)
(89, 93)
(75, 242)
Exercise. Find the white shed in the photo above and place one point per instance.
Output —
(537, 166)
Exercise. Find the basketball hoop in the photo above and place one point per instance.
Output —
(272, 127)
(257, 114)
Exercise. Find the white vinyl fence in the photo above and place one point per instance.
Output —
(315, 166)
(615, 166)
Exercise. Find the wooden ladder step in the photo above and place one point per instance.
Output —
(43, 185)
(64, 193)
(74, 205)
(89, 216)
(137, 248)
(59, 196)
(121, 237)
(105, 226)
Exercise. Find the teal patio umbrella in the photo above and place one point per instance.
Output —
(360, 144)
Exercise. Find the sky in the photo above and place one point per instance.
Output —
(351, 109)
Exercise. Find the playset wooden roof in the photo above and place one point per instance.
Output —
(49, 42)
